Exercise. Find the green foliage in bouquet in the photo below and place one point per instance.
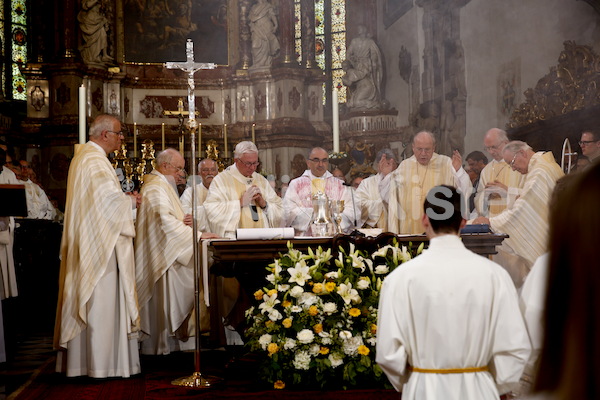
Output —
(316, 319)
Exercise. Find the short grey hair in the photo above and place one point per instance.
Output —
(431, 135)
(515, 146)
(165, 156)
(103, 122)
(389, 154)
(204, 160)
(313, 149)
(243, 148)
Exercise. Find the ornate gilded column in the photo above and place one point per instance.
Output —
(308, 33)
(286, 31)
(65, 20)
(245, 35)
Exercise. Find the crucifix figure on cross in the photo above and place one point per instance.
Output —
(196, 380)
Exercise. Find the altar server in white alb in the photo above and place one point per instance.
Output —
(164, 249)
(297, 202)
(449, 324)
(97, 317)
(373, 213)
(239, 197)
(409, 183)
(207, 170)
(8, 278)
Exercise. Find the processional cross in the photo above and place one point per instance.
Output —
(196, 380)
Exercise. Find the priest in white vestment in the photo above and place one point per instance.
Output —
(372, 211)
(97, 317)
(411, 181)
(449, 325)
(239, 197)
(8, 284)
(207, 170)
(526, 222)
(38, 203)
(297, 203)
(164, 249)
(499, 185)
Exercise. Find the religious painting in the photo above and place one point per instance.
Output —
(156, 31)
(508, 89)
(394, 9)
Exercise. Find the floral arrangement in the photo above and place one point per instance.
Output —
(316, 319)
(338, 158)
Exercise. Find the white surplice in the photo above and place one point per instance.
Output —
(186, 203)
(97, 316)
(38, 204)
(164, 269)
(8, 278)
(298, 206)
(450, 308)
(373, 213)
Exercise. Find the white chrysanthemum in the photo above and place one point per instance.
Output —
(363, 283)
(382, 269)
(325, 337)
(296, 309)
(305, 336)
(264, 340)
(308, 299)
(296, 291)
(269, 302)
(289, 344)
(345, 335)
(336, 359)
(275, 315)
(302, 360)
(348, 294)
(314, 349)
(329, 308)
(299, 274)
(351, 345)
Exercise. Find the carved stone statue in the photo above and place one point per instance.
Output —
(94, 27)
(364, 72)
(263, 25)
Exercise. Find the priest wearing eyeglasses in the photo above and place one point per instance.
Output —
(239, 197)
(590, 144)
(297, 203)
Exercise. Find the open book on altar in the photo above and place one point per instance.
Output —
(264, 233)
(13, 202)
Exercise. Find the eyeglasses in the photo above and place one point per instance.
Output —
(422, 150)
(489, 148)
(117, 133)
(250, 164)
(319, 160)
(587, 142)
(512, 163)
(179, 169)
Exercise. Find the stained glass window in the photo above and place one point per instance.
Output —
(13, 52)
(330, 41)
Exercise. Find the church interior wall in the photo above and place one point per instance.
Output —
(508, 46)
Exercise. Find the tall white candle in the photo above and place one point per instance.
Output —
(225, 139)
(82, 117)
(335, 111)
(134, 140)
(163, 135)
(200, 141)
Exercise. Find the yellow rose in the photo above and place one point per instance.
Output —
(258, 295)
(272, 348)
(286, 322)
(373, 329)
(317, 288)
(269, 323)
(313, 310)
(279, 385)
(324, 350)
(355, 312)
(272, 292)
(362, 350)
(330, 286)
(318, 328)
(286, 303)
